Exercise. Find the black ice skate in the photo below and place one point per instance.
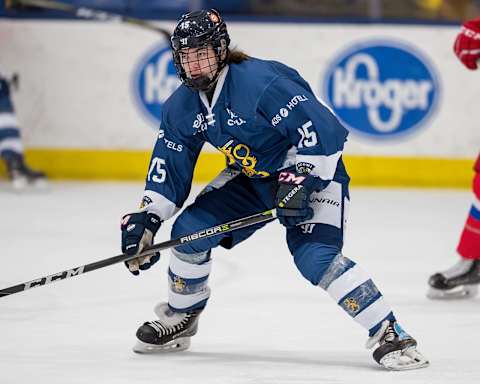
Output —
(396, 349)
(459, 282)
(21, 175)
(170, 333)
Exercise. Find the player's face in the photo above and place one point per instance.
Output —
(198, 62)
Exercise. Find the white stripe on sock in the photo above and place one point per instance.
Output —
(187, 270)
(347, 282)
(180, 302)
(373, 314)
(14, 145)
(8, 120)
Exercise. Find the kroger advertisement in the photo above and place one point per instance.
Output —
(382, 89)
(398, 89)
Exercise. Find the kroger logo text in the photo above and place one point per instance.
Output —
(154, 80)
(382, 89)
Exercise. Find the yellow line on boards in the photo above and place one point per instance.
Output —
(410, 171)
(80, 164)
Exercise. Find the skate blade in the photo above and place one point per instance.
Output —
(457, 293)
(19, 184)
(404, 360)
(23, 186)
(174, 346)
(40, 184)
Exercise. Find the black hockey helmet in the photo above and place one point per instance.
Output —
(198, 30)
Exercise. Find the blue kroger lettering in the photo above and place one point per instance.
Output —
(382, 89)
(154, 80)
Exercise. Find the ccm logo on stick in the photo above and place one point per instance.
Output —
(58, 276)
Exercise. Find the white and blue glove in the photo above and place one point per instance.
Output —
(138, 231)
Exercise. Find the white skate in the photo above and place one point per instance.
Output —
(397, 350)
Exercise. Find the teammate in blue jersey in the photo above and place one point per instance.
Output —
(11, 148)
(284, 151)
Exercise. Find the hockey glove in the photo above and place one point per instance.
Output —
(294, 190)
(467, 44)
(138, 230)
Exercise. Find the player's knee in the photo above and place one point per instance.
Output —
(186, 224)
(313, 260)
(190, 258)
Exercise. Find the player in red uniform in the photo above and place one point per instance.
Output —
(463, 278)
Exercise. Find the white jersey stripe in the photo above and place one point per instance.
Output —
(325, 166)
(160, 205)
(465, 52)
(290, 159)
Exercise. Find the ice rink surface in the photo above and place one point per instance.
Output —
(264, 323)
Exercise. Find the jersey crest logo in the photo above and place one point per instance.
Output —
(382, 89)
(242, 154)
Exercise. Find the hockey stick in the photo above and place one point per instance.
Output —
(86, 13)
(261, 217)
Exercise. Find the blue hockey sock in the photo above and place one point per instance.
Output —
(188, 281)
(353, 289)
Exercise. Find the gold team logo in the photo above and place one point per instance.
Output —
(179, 284)
(351, 304)
(242, 153)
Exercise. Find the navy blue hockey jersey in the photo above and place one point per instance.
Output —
(263, 116)
(5, 101)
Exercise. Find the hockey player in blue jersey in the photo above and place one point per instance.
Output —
(11, 148)
(284, 150)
